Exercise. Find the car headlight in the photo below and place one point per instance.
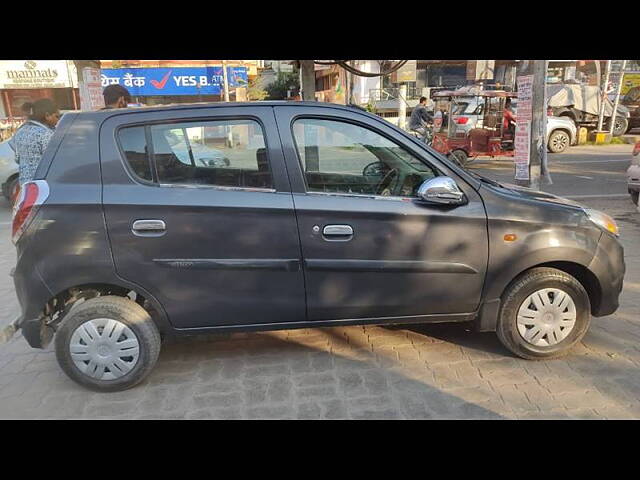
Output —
(603, 221)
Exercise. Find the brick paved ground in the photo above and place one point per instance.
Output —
(432, 371)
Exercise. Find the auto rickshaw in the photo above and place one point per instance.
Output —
(472, 124)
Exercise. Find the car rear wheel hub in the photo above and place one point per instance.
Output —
(104, 349)
(546, 317)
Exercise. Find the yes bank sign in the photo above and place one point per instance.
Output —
(144, 82)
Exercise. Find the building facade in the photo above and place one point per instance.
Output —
(30, 80)
(156, 82)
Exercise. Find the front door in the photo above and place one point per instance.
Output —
(371, 249)
(199, 212)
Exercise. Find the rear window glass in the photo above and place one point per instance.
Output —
(224, 153)
(134, 146)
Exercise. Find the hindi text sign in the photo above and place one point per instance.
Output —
(523, 127)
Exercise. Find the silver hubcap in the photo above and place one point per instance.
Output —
(559, 142)
(104, 349)
(546, 317)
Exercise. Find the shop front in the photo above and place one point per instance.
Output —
(24, 81)
(157, 86)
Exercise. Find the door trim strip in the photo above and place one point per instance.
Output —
(287, 265)
(389, 266)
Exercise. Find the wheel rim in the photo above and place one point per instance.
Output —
(617, 125)
(546, 317)
(104, 349)
(459, 157)
(559, 142)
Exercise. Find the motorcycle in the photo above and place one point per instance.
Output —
(427, 137)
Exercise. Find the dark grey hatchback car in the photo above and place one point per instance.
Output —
(149, 222)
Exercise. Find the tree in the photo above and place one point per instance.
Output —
(255, 90)
(285, 82)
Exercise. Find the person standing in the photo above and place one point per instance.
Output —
(508, 119)
(31, 140)
(26, 109)
(116, 96)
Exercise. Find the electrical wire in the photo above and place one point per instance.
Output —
(360, 73)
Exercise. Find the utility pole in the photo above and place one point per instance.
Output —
(603, 98)
(402, 106)
(89, 85)
(531, 124)
(617, 100)
(225, 80)
(308, 80)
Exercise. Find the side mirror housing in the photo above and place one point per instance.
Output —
(441, 190)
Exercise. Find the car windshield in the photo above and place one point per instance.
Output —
(459, 108)
(632, 96)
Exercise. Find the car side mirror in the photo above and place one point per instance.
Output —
(441, 190)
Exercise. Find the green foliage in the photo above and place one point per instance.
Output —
(255, 90)
(286, 81)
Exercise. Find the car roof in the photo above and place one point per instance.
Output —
(104, 113)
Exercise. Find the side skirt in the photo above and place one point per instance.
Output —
(461, 317)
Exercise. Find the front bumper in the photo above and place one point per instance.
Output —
(609, 268)
(633, 178)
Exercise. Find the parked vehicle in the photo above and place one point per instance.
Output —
(633, 174)
(632, 101)
(561, 131)
(326, 215)
(8, 171)
(581, 104)
(487, 138)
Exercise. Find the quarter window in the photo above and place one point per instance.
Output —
(133, 144)
(341, 157)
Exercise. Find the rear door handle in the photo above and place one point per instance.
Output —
(148, 228)
(337, 232)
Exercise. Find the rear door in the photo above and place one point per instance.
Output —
(371, 249)
(199, 212)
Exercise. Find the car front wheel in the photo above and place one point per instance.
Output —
(107, 344)
(459, 157)
(544, 313)
(558, 141)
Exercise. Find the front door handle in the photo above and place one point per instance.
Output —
(148, 228)
(337, 232)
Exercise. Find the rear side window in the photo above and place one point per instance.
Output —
(134, 146)
(226, 153)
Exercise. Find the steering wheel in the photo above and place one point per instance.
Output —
(386, 181)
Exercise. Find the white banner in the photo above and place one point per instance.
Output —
(35, 74)
(91, 90)
(522, 143)
(523, 127)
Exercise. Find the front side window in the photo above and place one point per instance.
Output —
(340, 157)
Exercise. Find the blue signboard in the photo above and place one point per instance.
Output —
(144, 82)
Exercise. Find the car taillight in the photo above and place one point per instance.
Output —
(636, 149)
(32, 195)
(462, 120)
